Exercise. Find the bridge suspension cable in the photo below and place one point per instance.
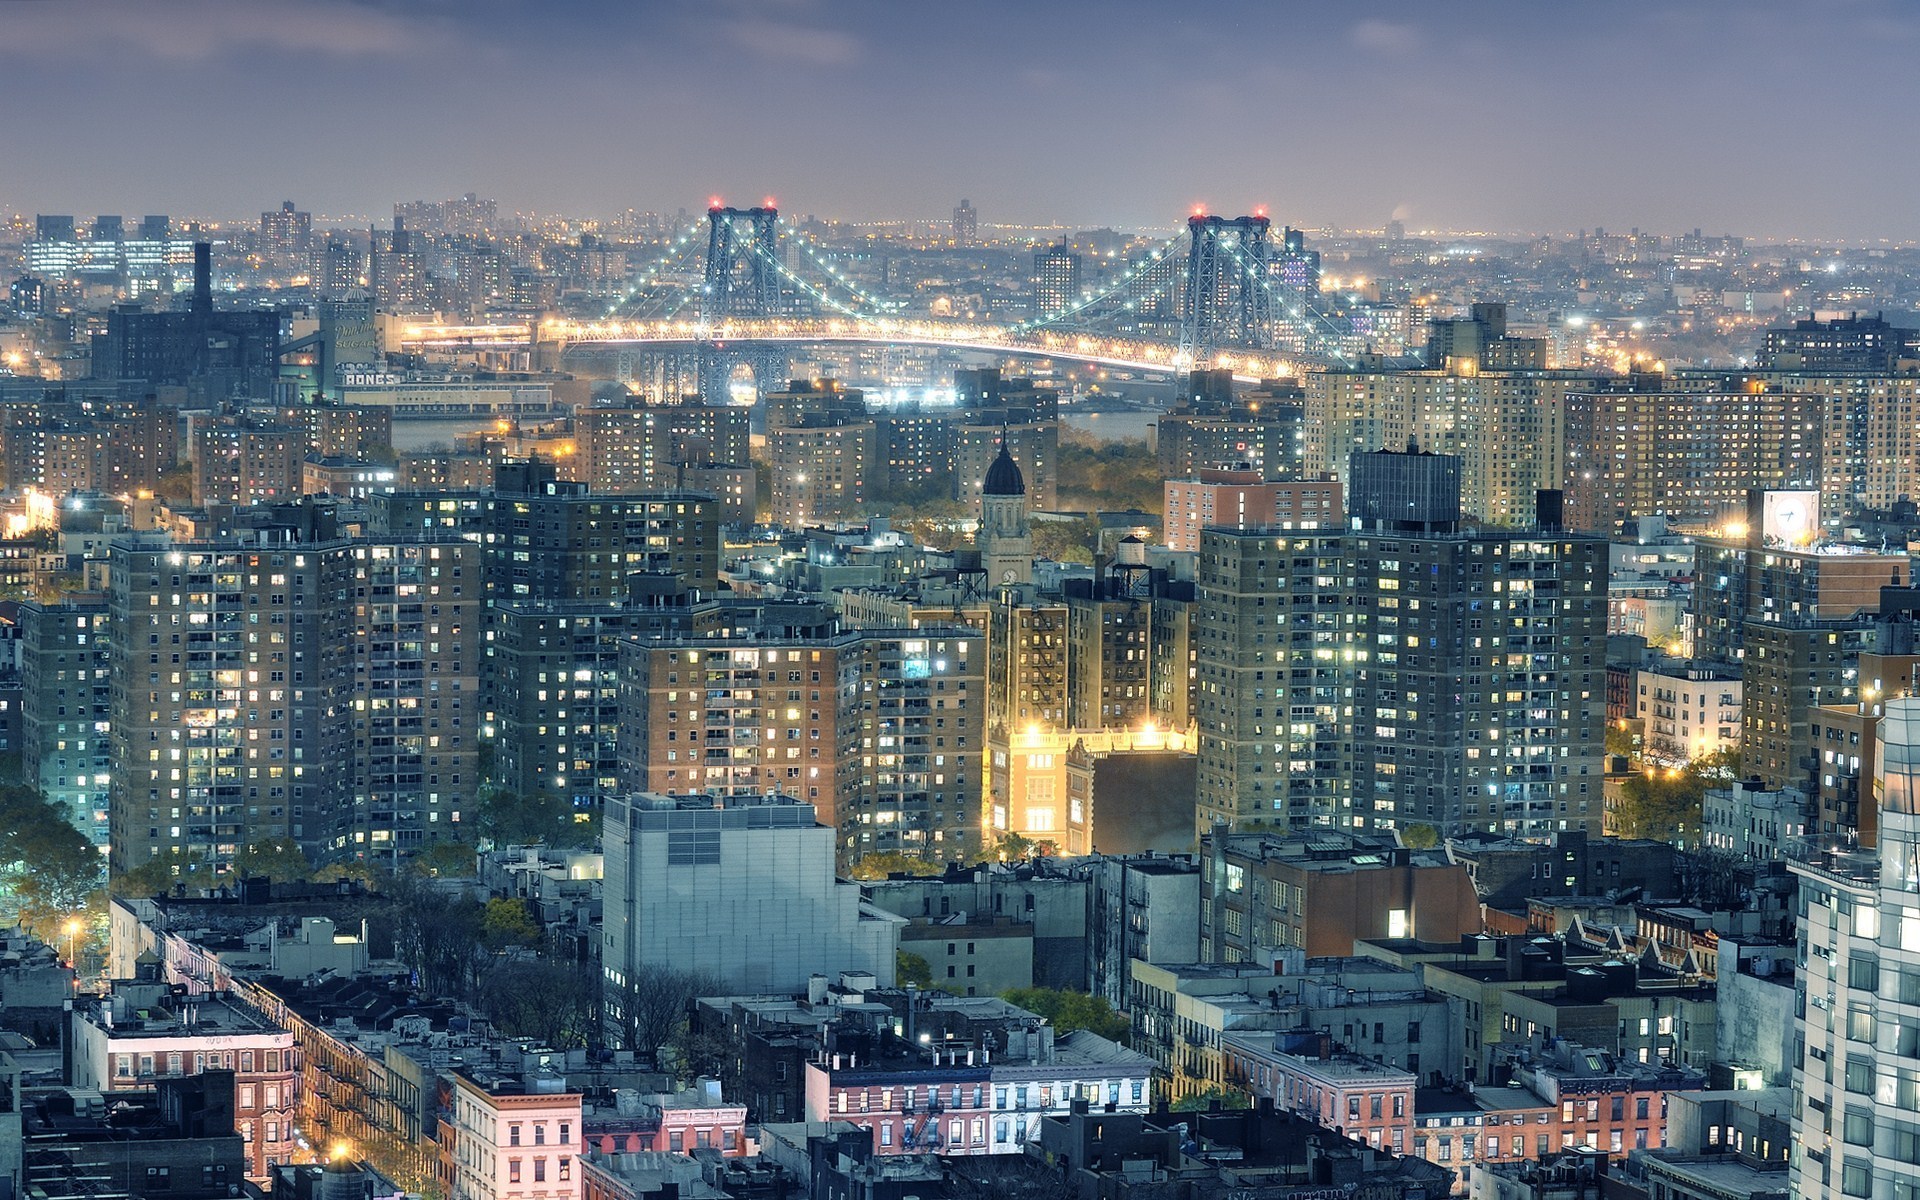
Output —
(822, 297)
(676, 249)
(813, 252)
(1119, 283)
(1293, 300)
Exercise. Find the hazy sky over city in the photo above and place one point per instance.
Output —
(1763, 117)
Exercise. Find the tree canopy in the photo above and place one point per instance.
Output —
(1206, 1098)
(911, 968)
(510, 819)
(1119, 474)
(49, 867)
(883, 863)
(278, 859)
(1664, 805)
(1067, 1011)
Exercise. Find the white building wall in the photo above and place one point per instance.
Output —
(760, 907)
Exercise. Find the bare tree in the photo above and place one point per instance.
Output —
(655, 1004)
(555, 1003)
(439, 936)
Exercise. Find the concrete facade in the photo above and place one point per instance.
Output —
(685, 876)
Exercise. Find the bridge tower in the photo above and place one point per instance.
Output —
(1227, 301)
(742, 280)
(743, 267)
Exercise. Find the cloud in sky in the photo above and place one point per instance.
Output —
(204, 30)
(1386, 37)
(783, 41)
(1657, 114)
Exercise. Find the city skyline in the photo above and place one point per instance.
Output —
(595, 108)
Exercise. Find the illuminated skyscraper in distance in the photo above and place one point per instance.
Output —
(1297, 266)
(966, 224)
(1056, 278)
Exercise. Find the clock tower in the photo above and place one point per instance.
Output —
(1004, 537)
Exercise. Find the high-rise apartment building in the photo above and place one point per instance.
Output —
(1242, 499)
(912, 448)
(415, 648)
(1639, 450)
(820, 472)
(238, 462)
(1507, 427)
(1263, 430)
(1296, 266)
(1109, 666)
(642, 448)
(1852, 343)
(1856, 1081)
(881, 730)
(290, 684)
(1271, 648)
(1057, 279)
(966, 224)
(64, 448)
(1467, 691)
(1775, 567)
(555, 540)
(66, 708)
(1790, 671)
(1479, 693)
(285, 232)
(554, 691)
(1868, 446)
(228, 696)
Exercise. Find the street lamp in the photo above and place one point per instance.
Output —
(73, 927)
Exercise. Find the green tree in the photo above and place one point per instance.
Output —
(158, 875)
(1419, 837)
(910, 968)
(1663, 804)
(278, 859)
(437, 933)
(47, 867)
(884, 863)
(176, 485)
(1067, 1011)
(655, 1005)
(508, 922)
(370, 875)
(698, 1052)
(1205, 1099)
(1066, 541)
(1123, 473)
(1013, 847)
(510, 819)
(554, 1003)
(1622, 742)
(447, 860)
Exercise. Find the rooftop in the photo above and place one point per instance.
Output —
(216, 1014)
(1719, 1174)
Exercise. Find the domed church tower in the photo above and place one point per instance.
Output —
(1005, 538)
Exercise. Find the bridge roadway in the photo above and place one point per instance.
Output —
(1127, 354)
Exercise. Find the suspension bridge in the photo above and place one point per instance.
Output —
(1211, 295)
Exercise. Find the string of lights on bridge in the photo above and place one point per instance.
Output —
(1066, 332)
(1154, 257)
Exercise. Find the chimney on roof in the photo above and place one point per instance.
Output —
(202, 278)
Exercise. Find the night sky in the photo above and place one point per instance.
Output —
(1759, 117)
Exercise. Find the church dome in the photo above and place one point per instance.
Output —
(1003, 477)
